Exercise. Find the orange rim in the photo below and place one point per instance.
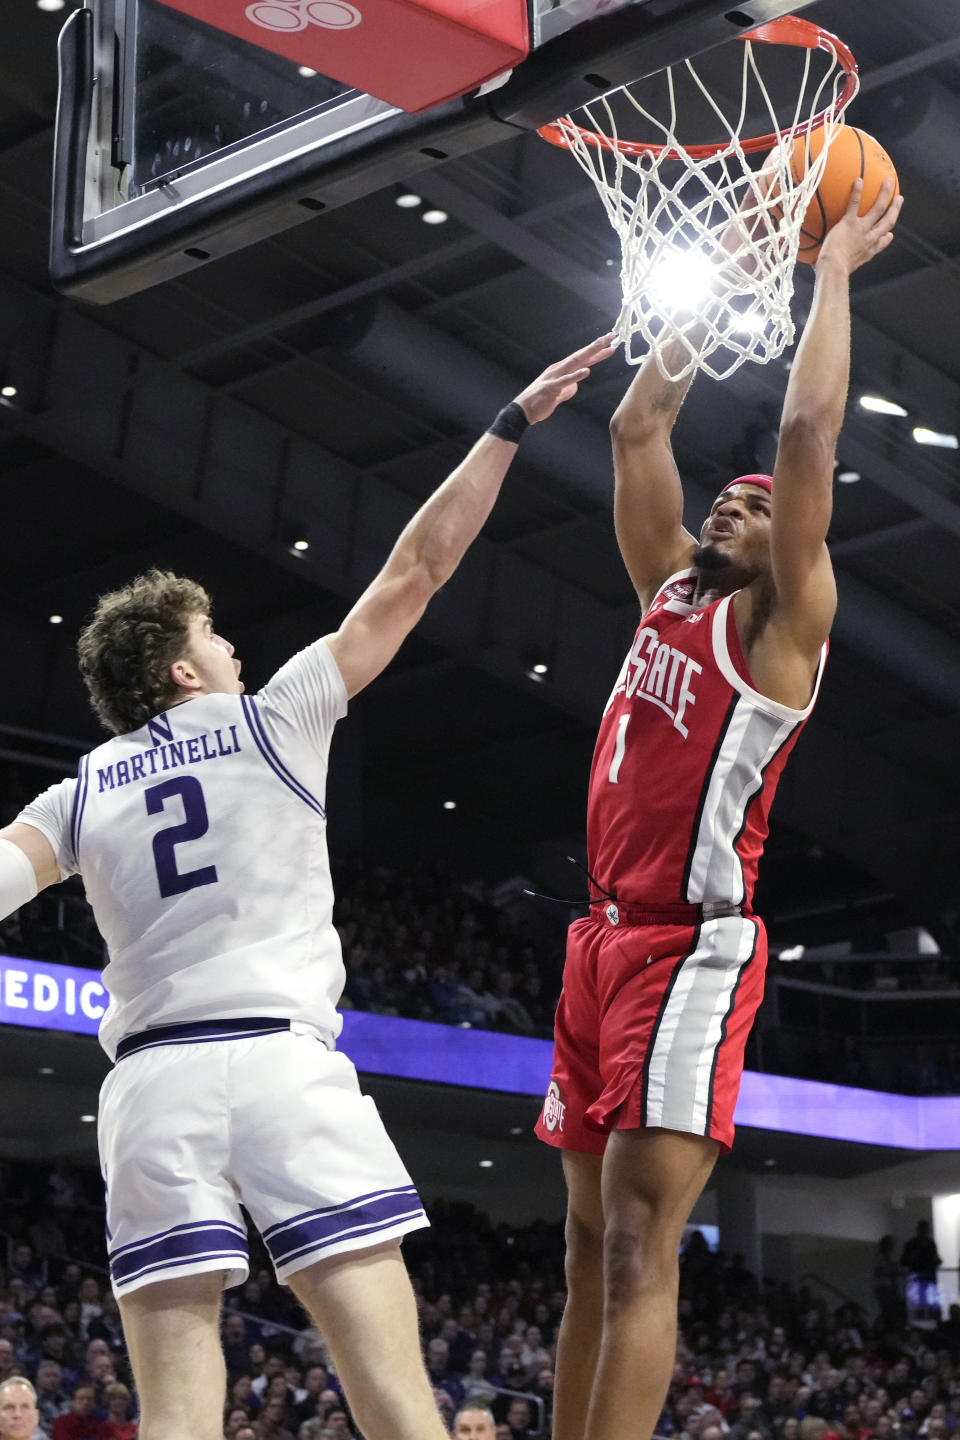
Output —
(789, 30)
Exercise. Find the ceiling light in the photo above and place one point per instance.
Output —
(793, 952)
(769, 1163)
(516, 1129)
(848, 477)
(433, 217)
(45, 1070)
(301, 545)
(51, 4)
(879, 406)
(56, 619)
(935, 437)
(681, 279)
(88, 1119)
(407, 200)
(486, 1164)
(305, 71)
(540, 668)
(750, 324)
(8, 391)
(449, 804)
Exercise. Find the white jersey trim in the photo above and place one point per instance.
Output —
(733, 677)
(691, 1027)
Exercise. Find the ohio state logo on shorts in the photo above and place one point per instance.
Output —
(553, 1108)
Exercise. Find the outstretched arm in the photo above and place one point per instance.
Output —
(27, 865)
(431, 547)
(648, 499)
(813, 410)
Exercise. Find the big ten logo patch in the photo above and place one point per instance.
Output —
(554, 1109)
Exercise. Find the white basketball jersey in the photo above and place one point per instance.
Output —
(201, 840)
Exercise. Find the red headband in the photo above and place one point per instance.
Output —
(764, 481)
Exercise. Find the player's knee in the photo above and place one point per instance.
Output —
(635, 1260)
(584, 1251)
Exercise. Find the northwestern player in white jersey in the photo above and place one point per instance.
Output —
(199, 831)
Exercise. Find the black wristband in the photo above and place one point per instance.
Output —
(510, 423)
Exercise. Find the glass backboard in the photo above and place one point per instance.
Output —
(187, 129)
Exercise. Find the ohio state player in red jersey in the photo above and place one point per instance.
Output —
(664, 977)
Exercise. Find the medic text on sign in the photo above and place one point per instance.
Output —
(50, 997)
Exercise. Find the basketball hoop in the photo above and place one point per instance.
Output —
(699, 219)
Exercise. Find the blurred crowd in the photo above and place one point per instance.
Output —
(756, 1360)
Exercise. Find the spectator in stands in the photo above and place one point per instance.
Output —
(474, 1422)
(78, 1423)
(19, 1417)
(438, 1370)
(519, 1418)
(920, 1255)
(246, 1432)
(543, 1389)
(53, 1344)
(236, 1343)
(274, 1364)
(119, 1425)
(107, 1325)
(240, 1394)
(51, 1396)
(237, 1419)
(69, 1287)
(270, 1421)
(315, 1382)
(90, 1306)
(476, 1383)
(8, 1364)
(23, 1266)
(336, 1424)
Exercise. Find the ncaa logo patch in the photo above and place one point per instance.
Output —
(553, 1108)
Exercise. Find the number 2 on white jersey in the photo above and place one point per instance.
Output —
(619, 749)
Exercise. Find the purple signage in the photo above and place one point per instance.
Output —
(51, 997)
(64, 997)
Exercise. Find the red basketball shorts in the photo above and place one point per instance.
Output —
(651, 1029)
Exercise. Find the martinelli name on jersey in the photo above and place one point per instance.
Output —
(168, 754)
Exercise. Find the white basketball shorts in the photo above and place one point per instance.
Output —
(276, 1121)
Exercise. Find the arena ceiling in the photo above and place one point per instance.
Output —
(320, 384)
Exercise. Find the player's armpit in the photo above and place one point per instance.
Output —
(27, 865)
(379, 623)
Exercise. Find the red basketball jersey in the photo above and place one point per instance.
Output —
(687, 760)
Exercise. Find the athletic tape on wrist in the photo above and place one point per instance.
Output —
(510, 423)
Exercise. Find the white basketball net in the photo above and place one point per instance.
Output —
(708, 244)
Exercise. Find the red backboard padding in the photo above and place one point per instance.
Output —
(412, 53)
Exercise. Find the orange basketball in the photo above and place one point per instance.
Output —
(853, 155)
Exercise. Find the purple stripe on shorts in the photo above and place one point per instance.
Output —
(197, 1031)
(352, 1204)
(177, 1230)
(174, 1248)
(222, 1256)
(326, 1227)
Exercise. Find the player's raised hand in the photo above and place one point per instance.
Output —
(559, 382)
(857, 238)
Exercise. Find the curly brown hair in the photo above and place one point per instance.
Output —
(128, 647)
